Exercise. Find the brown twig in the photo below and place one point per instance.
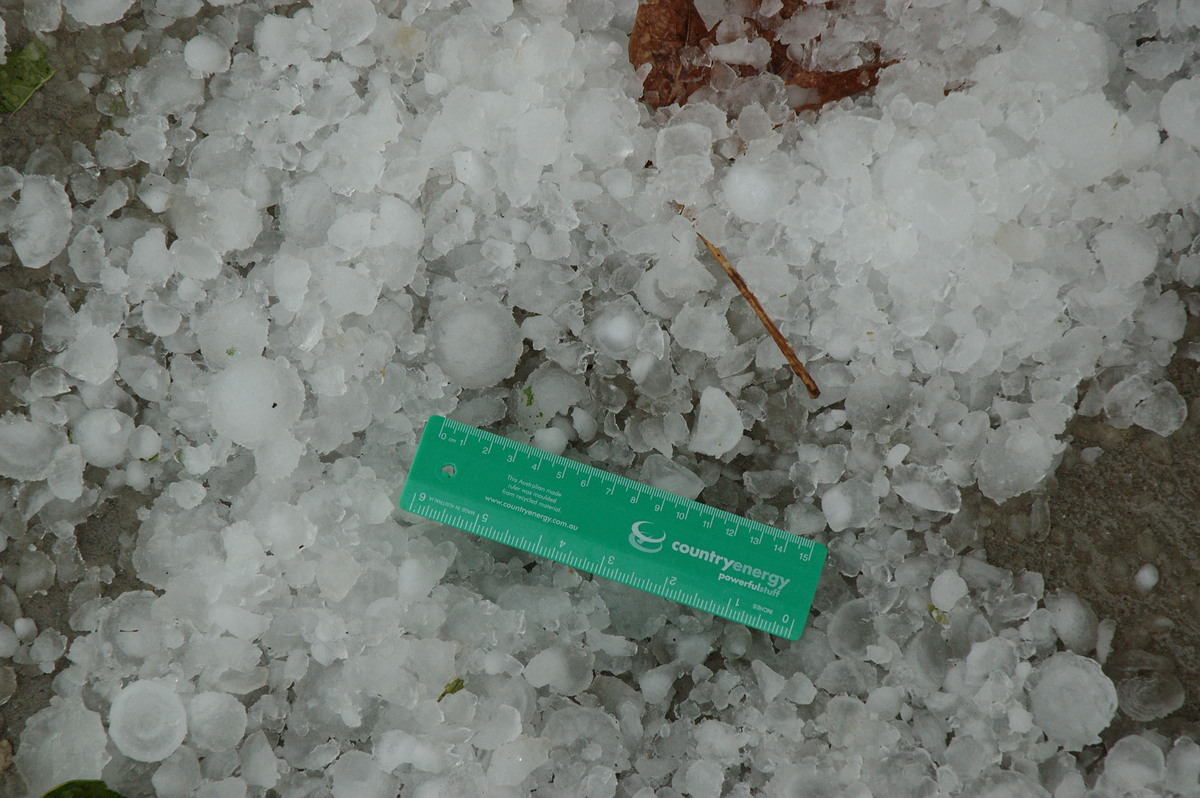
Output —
(780, 341)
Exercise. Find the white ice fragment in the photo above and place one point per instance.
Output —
(355, 775)
(147, 721)
(703, 329)
(25, 629)
(177, 776)
(230, 330)
(41, 222)
(927, 487)
(224, 218)
(1017, 457)
(1163, 411)
(770, 682)
(260, 766)
(850, 504)
(584, 423)
(46, 649)
(1179, 110)
(513, 762)
(493, 11)
(756, 191)
(348, 290)
(97, 12)
(1072, 700)
(1074, 621)
(477, 343)
(616, 331)
(62, 742)
(656, 683)
(395, 748)
(1132, 766)
(149, 260)
(206, 55)
(195, 259)
(161, 320)
(36, 574)
(144, 442)
(255, 399)
(1127, 253)
(947, 588)
(399, 224)
(1106, 630)
(216, 721)
(565, 671)
(187, 493)
(665, 474)
(8, 641)
(1183, 766)
(703, 778)
(238, 621)
(348, 22)
(718, 427)
(550, 439)
(851, 630)
(103, 436)
(1086, 135)
(286, 531)
(337, 573)
(91, 357)
(539, 135)
(885, 702)
(941, 209)
(496, 727)
(754, 53)
(27, 448)
(1146, 578)
(1165, 317)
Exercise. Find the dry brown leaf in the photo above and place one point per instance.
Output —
(667, 34)
(671, 37)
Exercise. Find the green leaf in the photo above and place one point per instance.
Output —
(82, 789)
(25, 71)
(528, 396)
(452, 686)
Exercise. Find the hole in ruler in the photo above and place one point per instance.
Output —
(448, 469)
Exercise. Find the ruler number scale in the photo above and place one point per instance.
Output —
(611, 526)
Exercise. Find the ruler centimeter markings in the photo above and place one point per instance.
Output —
(613, 527)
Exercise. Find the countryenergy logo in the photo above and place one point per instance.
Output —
(731, 570)
(646, 541)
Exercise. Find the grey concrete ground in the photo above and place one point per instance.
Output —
(1139, 503)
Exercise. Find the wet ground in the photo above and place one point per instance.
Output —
(1138, 504)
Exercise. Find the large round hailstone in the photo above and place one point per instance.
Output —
(27, 448)
(476, 343)
(1179, 110)
(147, 721)
(103, 436)
(231, 330)
(1072, 700)
(255, 400)
(755, 191)
(216, 721)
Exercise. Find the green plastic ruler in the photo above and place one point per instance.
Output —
(613, 527)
